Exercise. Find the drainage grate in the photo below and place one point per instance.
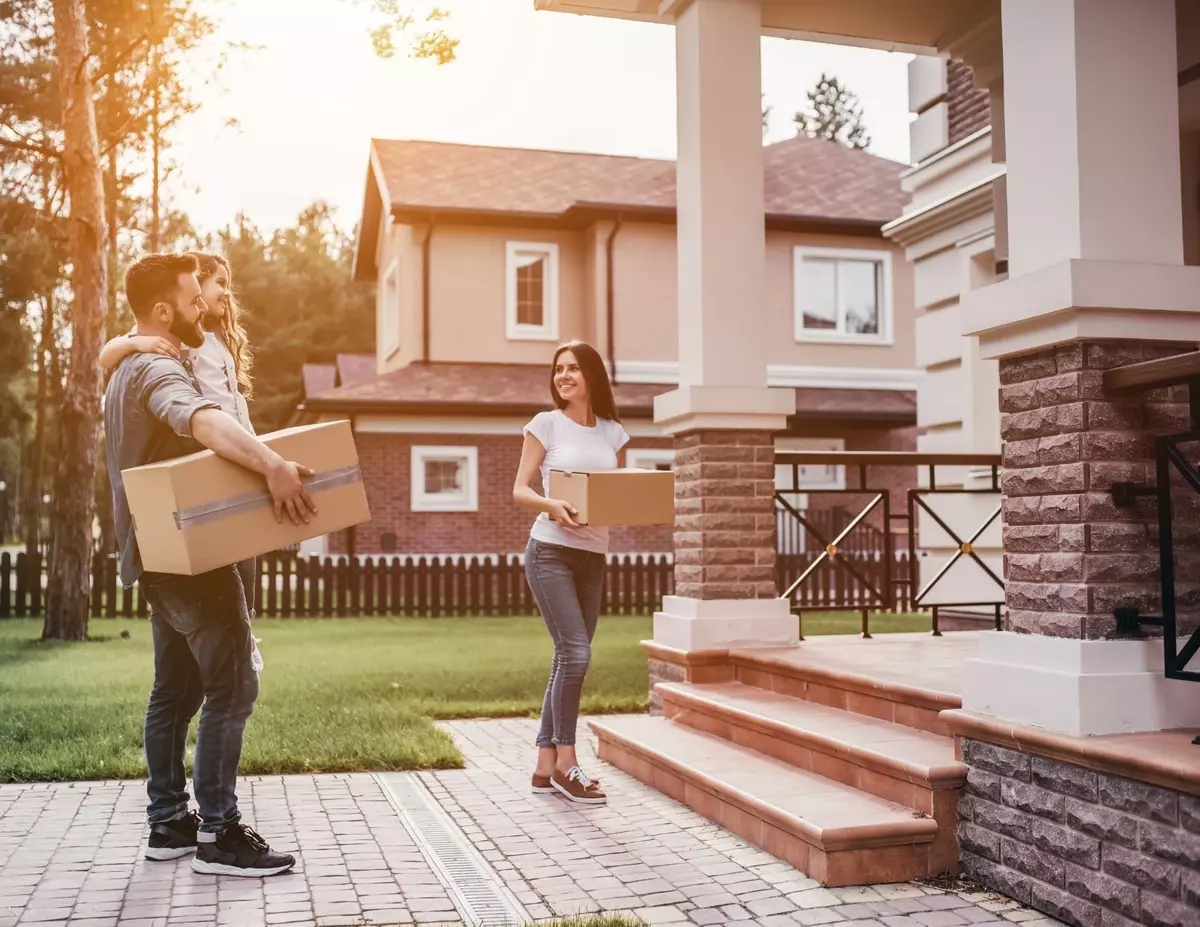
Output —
(481, 898)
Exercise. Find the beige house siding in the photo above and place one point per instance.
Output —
(646, 327)
(467, 290)
(783, 348)
(468, 296)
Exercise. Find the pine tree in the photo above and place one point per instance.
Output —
(834, 114)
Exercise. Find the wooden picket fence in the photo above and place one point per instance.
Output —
(833, 587)
(292, 586)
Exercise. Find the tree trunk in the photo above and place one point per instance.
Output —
(155, 157)
(104, 509)
(74, 496)
(34, 483)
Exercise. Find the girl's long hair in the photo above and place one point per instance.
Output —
(230, 329)
(595, 373)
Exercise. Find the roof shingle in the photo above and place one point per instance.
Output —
(524, 389)
(803, 178)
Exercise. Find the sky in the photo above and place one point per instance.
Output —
(311, 94)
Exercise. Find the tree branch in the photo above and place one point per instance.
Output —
(23, 145)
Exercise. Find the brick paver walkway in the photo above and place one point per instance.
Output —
(71, 854)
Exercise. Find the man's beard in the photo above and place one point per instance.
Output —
(190, 333)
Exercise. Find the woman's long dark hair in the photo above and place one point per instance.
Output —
(594, 373)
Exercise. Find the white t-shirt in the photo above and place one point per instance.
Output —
(571, 446)
(212, 366)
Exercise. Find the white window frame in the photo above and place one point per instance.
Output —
(834, 477)
(837, 336)
(648, 458)
(423, 501)
(548, 330)
(393, 304)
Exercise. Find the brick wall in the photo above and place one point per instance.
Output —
(499, 526)
(1090, 849)
(969, 109)
(1072, 556)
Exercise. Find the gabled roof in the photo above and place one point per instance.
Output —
(806, 182)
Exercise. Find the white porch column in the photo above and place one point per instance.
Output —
(722, 414)
(1095, 249)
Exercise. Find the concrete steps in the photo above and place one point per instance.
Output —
(831, 831)
(848, 775)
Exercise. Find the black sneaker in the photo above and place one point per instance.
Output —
(173, 839)
(239, 851)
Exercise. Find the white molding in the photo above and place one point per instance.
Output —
(470, 425)
(720, 624)
(794, 375)
(393, 304)
(885, 309)
(422, 501)
(949, 152)
(647, 458)
(1076, 687)
(548, 330)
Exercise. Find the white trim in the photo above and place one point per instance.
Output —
(943, 153)
(426, 502)
(835, 473)
(1076, 687)
(393, 303)
(548, 330)
(721, 624)
(469, 425)
(794, 375)
(879, 256)
(648, 458)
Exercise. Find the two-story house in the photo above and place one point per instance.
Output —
(487, 258)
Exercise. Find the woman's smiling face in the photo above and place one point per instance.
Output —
(569, 379)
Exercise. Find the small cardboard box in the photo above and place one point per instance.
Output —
(196, 513)
(612, 498)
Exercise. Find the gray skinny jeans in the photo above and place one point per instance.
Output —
(568, 586)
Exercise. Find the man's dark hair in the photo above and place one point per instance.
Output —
(154, 279)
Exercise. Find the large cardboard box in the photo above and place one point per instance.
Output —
(196, 513)
(612, 498)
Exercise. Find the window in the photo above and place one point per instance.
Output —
(650, 458)
(532, 291)
(445, 479)
(812, 476)
(843, 295)
(391, 309)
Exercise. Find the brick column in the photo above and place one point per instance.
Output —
(1072, 555)
(725, 515)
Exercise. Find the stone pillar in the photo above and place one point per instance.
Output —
(722, 415)
(1097, 280)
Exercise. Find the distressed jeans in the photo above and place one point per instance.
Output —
(202, 646)
(568, 586)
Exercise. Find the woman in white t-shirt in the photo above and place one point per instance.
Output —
(565, 561)
(220, 367)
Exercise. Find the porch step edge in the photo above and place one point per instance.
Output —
(772, 661)
(727, 700)
(887, 824)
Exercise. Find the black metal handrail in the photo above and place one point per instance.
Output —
(1178, 370)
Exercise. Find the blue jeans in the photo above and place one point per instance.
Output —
(568, 586)
(202, 646)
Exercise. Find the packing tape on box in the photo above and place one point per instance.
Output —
(248, 502)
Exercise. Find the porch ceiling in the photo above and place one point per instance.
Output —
(918, 26)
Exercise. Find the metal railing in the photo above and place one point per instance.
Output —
(888, 581)
(1170, 461)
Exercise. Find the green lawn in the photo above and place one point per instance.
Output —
(337, 694)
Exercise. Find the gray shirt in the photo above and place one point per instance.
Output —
(148, 409)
